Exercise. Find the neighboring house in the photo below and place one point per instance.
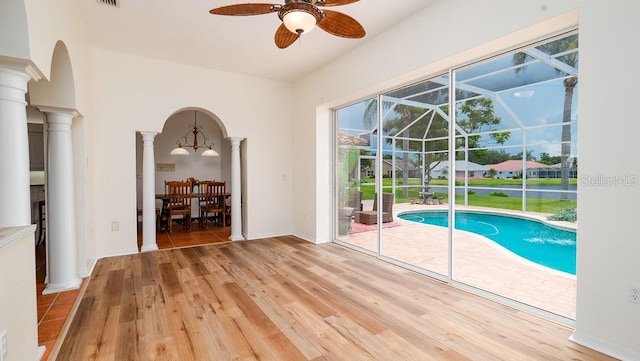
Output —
(513, 168)
(473, 170)
(554, 172)
(387, 167)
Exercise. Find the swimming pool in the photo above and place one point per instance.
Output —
(538, 242)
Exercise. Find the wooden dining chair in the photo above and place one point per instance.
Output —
(179, 203)
(203, 185)
(213, 202)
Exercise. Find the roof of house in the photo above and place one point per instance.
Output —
(347, 139)
(515, 165)
(460, 166)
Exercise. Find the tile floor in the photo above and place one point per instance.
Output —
(53, 309)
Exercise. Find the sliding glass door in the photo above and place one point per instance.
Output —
(470, 176)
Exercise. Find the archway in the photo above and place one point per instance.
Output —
(178, 128)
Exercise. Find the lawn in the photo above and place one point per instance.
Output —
(515, 203)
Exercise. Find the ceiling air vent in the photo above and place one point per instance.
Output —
(110, 2)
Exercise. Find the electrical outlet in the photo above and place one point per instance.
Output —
(3, 345)
(634, 294)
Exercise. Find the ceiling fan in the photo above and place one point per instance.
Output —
(299, 17)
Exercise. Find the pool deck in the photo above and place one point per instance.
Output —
(478, 261)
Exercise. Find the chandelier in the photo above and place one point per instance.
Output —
(199, 141)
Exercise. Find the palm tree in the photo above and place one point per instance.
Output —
(570, 59)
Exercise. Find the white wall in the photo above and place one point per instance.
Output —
(133, 94)
(454, 32)
(18, 312)
(608, 237)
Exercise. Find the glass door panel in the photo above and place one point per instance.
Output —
(356, 149)
(516, 130)
(415, 128)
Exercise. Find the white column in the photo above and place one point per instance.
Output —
(15, 207)
(148, 193)
(61, 212)
(236, 191)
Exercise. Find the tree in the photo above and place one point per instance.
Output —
(488, 156)
(479, 117)
(519, 156)
(571, 59)
(545, 158)
(476, 115)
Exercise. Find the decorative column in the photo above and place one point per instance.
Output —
(236, 191)
(61, 211)
(148, 193)
(15, 208)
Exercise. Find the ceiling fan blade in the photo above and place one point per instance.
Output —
(340, 24)
(284, 37)
(334, 2)
(245, 9)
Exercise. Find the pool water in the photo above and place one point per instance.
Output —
(549, 246)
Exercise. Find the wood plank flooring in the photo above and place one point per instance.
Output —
(286, 299)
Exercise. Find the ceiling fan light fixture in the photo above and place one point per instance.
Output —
(299, 21)
(299, 17)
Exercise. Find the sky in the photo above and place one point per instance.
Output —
(533, 98)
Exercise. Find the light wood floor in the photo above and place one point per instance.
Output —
(286, 299)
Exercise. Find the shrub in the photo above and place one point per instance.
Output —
(568, 214)
(471, 193)
(498, 194)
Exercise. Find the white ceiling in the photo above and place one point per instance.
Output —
(183, 31)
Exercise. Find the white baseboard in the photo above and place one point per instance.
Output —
(605, 347)
(92, 265)
(250, 237)
(305, 237)
(122, 252)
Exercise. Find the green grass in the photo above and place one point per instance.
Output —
(514, 203)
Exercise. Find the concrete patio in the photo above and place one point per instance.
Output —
(477, 261)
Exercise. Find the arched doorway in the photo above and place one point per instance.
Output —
(178, 129)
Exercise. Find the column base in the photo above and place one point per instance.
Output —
(149, 247)
(71, 285)
(236, 238)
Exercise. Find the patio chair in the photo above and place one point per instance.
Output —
(355, 200)
(371, 217)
